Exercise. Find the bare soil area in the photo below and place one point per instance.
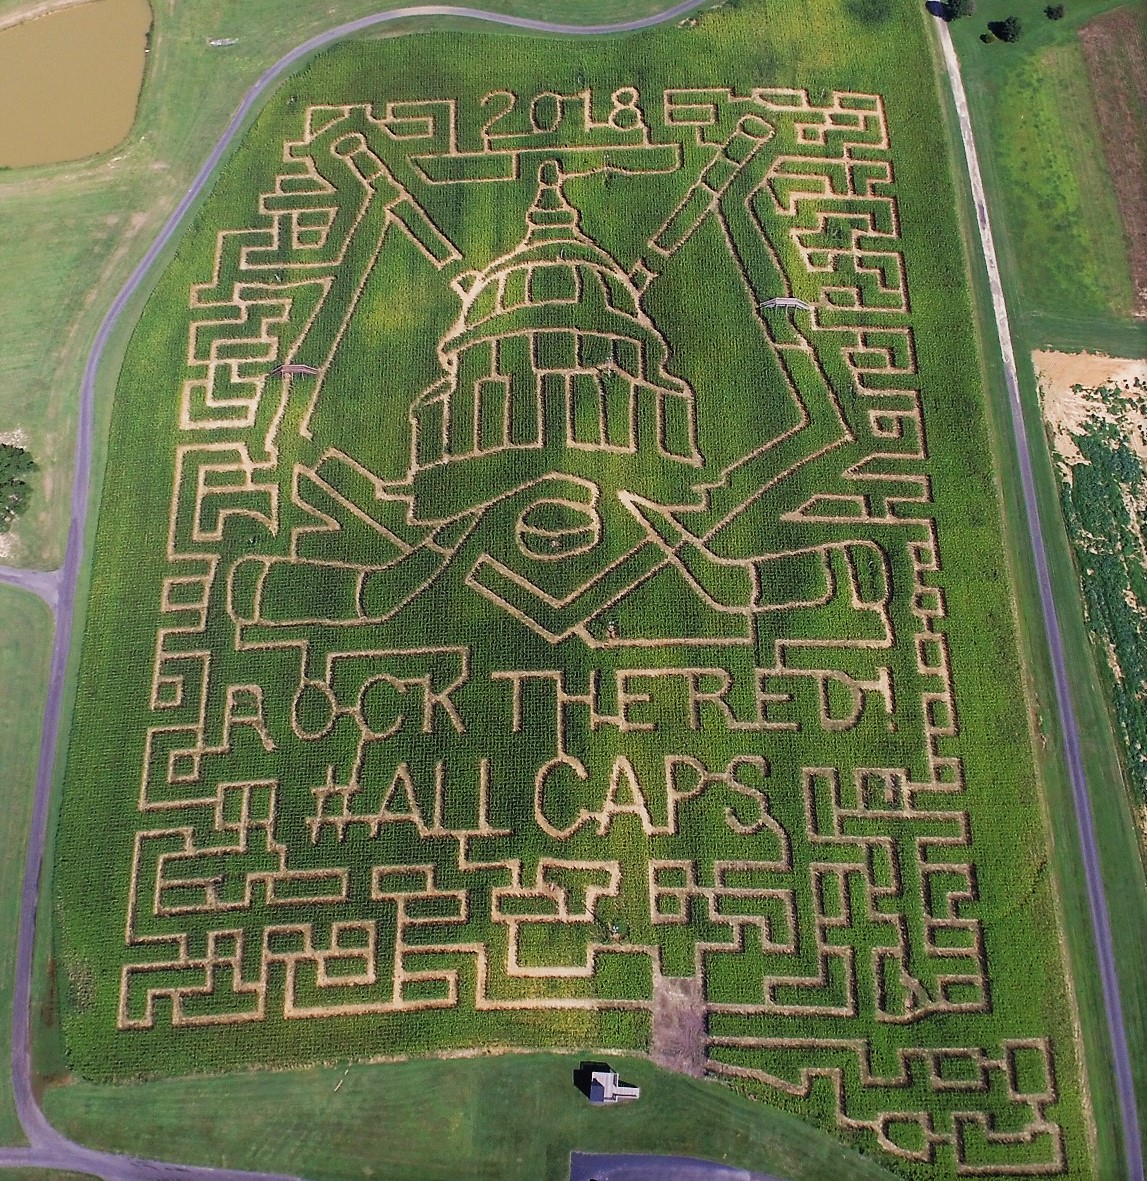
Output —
(679, 1024)
(1071, 386)
(1115, 49)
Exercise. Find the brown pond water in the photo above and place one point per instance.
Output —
(69, 81)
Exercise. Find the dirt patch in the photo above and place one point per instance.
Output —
(1071, 385)
(1115, 49)
(679, 1024)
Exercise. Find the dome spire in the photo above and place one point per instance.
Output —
(551, 218)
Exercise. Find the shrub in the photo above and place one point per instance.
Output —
(1007, 30)
(15, 463)
(1054, 12)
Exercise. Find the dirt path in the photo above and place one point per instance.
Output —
(1071, 389)
(1096, 895)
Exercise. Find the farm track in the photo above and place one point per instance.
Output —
(1081, 796)
(49, 1148)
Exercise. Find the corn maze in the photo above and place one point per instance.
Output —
(549, 636)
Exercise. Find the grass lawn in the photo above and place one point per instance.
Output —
(25, 644)
(1056, 222)
(1050, 159)
(437, 1120)
(42, 1175)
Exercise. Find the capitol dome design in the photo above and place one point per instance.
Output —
(552, 365)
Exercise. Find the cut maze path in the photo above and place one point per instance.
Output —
(49, 1148)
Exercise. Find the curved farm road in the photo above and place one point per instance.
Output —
(49, 1148)
(1081, 797)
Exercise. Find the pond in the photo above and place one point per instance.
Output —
(70, 80)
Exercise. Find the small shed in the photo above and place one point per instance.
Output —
(606, 1087)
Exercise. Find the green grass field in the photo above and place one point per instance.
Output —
(1060, 237)
(424, 1118)
(24, 656)
(42, 1175)
(365, 622)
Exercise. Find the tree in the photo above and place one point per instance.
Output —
(15, 463)
(955, 9)
(1008, 30)
(1054, 12)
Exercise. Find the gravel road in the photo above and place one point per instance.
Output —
(1081, 797)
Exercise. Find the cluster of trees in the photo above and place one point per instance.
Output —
(1005, 30)
(15, 464)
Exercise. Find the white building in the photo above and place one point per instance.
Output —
(606, 1087)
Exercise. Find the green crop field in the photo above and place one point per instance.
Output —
(1101, 490)
(511, 626)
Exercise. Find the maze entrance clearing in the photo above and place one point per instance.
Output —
(552, 645)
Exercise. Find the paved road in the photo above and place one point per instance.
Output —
(49, 1147)
(45, 583)
(590, 1166)
(76, 1158)
(1081, 797)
